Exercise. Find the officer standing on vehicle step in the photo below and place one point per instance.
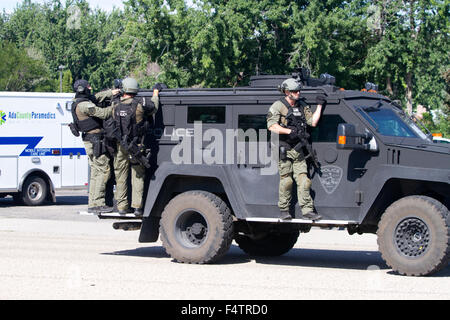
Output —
(105, 99)
(88, 119)
(131, 116)
(292, 164)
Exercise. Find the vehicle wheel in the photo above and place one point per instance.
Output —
(196, 227)
(34, 191)
(413, 236)
(269, 245)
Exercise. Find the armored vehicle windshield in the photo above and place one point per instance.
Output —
(389, 120)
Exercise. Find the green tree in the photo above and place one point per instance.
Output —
(400, 44)
(20, 72)
(411, 50)
(209, 44)
(72, 35)
(67, 81)
(331, 36)
(444, 117)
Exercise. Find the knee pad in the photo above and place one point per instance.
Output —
(286, 182)
(304, 182)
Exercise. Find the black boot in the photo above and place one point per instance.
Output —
(100, 210)
(92, 210)
(138, 212)
(126, 211)
(285, 215)
(312, 216)
(105, 209)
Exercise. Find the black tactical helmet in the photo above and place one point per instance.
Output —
(81, 86)
(118, 84)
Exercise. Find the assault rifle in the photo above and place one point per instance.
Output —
(302, 136)
(137, 153)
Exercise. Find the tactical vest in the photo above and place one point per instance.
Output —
(299, 113)
(89, 123)
(125, 117)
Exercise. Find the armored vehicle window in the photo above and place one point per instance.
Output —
(387, 122)
(206, 114)
(253, 121)
(326, 131)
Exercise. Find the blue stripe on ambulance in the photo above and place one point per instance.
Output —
(31, 150)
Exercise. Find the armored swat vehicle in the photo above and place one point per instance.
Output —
(214, 176)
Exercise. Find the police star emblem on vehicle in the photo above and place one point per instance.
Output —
(330, 178)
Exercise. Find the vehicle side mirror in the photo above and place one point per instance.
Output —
(347, 138)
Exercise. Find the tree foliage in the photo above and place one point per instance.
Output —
(403, 45)
(20, 72)
(71, 35)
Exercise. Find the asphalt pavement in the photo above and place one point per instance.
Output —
(53, 252)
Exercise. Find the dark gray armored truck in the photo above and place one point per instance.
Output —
(214, 176)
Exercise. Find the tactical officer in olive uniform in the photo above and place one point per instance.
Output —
(292, 164)
(88, 120)
(131, 115)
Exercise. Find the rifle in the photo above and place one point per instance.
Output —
(136, 153)
(302, 138)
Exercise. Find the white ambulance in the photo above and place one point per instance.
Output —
(38, 152)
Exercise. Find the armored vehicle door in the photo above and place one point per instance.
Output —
(336, 186)
(254, 168)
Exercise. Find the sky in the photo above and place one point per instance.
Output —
(106, 5)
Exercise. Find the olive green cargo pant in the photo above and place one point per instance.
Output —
(121, 170)
(290, 170)
(99, 176)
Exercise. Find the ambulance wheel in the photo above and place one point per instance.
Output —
(34, 191)
(196, 227)
(414, 236)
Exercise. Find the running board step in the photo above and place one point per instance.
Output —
(304, 221)
(112, 215)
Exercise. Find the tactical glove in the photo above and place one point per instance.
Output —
(159, 86)
(320, 99)
(117, 84)
(294, 133)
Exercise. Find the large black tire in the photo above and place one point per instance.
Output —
(269, 245)
(34, 191)
(414, 236)
(196, 227)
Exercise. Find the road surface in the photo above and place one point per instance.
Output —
(52, 252)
